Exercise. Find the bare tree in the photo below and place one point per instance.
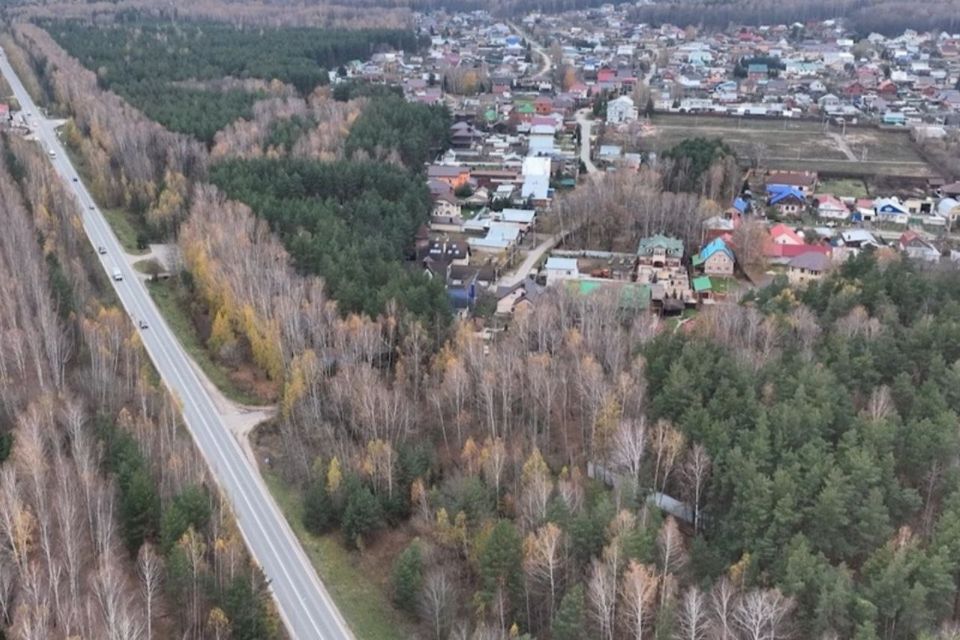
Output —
(150, 571)
(723, 604)
(672, 555)
(629, 445)
(602, 595)
(544, 560)
(692, 616)
(667, 445)
(696, 470)
(639, 592)
(438, 601)
(762, 614)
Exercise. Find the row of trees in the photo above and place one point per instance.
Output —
(315, 128)
(132, 163)
(890, 17)
(353, 16)
(105, 528)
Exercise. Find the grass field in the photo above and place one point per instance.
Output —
(794, 144)
(361, 600)
(851, 188)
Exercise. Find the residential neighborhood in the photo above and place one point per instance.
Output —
(532, 99)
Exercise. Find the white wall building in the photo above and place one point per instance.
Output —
(621, 110)
(559, 269)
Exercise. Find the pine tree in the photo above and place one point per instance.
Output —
(139, 508)
(319, 513)
(407, 578)
(568, 622)
(361, 516)
(501, 568)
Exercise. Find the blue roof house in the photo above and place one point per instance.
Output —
(716, 258)
(789, 200)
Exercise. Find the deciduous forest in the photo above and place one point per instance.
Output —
(107, 527)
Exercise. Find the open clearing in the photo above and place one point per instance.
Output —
(796, 144)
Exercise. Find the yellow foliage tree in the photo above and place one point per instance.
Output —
(607, 420)
(294, 389)
(264, 339)
(218, 625)
(535, 467)
(471, 456)
(222, 337)
(334, 476)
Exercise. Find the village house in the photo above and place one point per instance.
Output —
(788, 200)
(715, 259)
(659, 265)
(621, 110)
(536, 181)
(660, 251)
(455, 176)
(831, 208)
(557, 269)
(807, 267)
(444, 251)
(446, 211)
(912, 244)
(524, 218)
(464, 135)
(805, 181)
(891, 211)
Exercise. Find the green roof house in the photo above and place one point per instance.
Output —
(660, 251)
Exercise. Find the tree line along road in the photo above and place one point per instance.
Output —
(304, 604)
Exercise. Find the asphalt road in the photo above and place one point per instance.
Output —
(304, 604)
(547, 64)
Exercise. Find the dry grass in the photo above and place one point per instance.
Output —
(793, 144)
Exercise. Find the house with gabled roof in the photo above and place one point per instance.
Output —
(716, 258)
(891, 210)
(829, 206)
(807, 267)
(788, 200)
(917, 248)
(660, 251)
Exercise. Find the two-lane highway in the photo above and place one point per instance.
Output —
(304, 603)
